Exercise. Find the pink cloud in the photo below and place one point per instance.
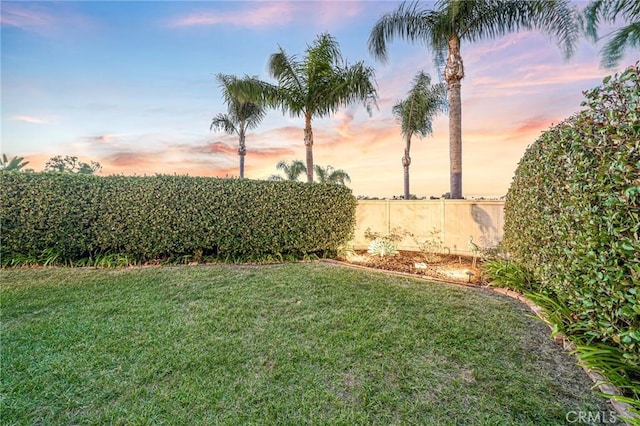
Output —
(274, 14)
(220, 147)
(29, 119)
(344, 125)
(232, 150)
(264, 15)
(332, 12)
(270, 153)
(21, 17)
(501, 43)
(532, 125)
(126, 159)
(39, 18)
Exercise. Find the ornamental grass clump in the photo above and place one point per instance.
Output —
(384, 244)
(382, 247)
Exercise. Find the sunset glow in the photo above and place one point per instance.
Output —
(132, 86)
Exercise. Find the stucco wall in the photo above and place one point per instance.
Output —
(454, 221)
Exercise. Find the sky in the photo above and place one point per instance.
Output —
(132, 86)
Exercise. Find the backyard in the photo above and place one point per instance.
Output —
(302, 343)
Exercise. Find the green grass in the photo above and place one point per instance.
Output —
(285, 344)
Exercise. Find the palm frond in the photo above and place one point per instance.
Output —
(482, 20)
(424, 101)
(613, 50)
(602, 11)
(590, 18)
(355, 83)
(410, 23)
(223, 122)
(330, 175)
(340, 177)
(322, 173)
(249, 113)
(293, 170)
(247, 89)
(287, 70)
(15, 164)
(321, 58)
(244, 103)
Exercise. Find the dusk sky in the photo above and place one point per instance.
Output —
(132, 86)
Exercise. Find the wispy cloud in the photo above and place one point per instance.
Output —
(502, 43)
(128, 159)
(335, 12)
(30, 119)
(40, 18)
(108, 138)
(533, 124)
(217, 147)
(343, 127)
(534, 78)
(29, 18)
(273, 14)
(264, 15)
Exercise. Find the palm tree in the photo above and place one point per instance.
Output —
(609, 11)
(416, 114)
(291, 171)
(330, 175)
(242, 114)
(315, 86)
(453, 21)
(15, 164)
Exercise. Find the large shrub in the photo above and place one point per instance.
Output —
(572, 214)
(166, 216)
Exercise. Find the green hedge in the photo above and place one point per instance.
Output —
(146, 218)
(572, 214)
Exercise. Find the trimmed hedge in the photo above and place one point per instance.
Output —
(159, 217)
(572, 214)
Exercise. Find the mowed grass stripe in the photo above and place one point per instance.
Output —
(285, 344)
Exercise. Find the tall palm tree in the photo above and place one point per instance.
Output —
(242, 114)
(330, 175)
(454, 21)
(15, 164)
(292, 171)
(626, 36)
(315, 86)
(416, 114)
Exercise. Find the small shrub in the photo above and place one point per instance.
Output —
(432, 246)
(395, 236)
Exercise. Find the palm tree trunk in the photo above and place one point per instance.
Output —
(406, 162)
(242, 151)
(453, 74)
(241, 166)
(308, 143)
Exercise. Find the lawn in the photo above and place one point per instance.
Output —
(291, 344)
